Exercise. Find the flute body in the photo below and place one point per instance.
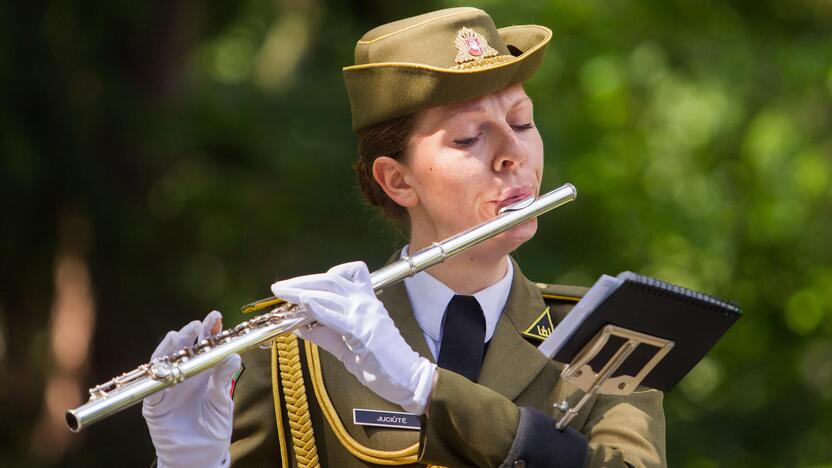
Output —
(132, 387)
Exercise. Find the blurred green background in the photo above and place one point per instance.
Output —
(162, 158)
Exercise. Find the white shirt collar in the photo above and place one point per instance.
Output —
(429, 297)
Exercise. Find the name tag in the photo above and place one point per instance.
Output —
(365, 417)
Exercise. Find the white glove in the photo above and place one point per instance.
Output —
(190, 423)
(356, 329)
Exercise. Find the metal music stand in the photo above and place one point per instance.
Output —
(581, 374)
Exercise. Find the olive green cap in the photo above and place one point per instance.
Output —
(438, 58)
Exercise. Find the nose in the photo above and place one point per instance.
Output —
(511, 154)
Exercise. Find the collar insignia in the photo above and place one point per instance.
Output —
(541, 328)
(471, 45)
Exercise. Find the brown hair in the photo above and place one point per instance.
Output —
(388, 138)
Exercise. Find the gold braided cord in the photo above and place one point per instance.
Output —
(483, 63)
(281, 431)
(297, 408)
(380, 457)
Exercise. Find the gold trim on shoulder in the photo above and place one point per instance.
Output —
(471, 45)
(542, 327)
(561, 297)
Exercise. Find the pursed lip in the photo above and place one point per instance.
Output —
(511, 196)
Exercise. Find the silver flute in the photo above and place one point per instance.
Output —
(131, 387)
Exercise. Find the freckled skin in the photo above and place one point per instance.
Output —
(458, 185)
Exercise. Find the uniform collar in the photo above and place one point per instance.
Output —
(429, 297)
(511, 362)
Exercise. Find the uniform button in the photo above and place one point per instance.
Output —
(520, 463)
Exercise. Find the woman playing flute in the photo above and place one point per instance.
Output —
(441, 369)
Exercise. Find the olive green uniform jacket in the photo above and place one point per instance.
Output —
(468, 424)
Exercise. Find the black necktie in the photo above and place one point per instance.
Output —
(463, 337)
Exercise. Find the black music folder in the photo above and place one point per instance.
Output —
(694, 321)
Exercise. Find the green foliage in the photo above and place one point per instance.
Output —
(204, 148)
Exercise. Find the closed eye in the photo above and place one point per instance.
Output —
(465, 142)
(522, 127)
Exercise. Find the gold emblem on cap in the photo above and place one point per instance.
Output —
(471, 45)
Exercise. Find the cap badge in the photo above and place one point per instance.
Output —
(471, 45)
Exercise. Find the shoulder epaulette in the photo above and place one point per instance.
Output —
(561, 292)
(556, 296)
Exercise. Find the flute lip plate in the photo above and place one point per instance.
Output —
(518, 205)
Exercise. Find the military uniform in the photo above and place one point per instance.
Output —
(502, 420)
(295, 405)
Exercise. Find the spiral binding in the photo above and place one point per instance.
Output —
(681, 293)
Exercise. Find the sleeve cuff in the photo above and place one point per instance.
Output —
(225, 463)
(538, 443)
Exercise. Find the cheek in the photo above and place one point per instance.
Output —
(446, 172)
(450, 190)
(534, 150)
(449, 187)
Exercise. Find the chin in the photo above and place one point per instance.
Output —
(518, 235)
(509, 241)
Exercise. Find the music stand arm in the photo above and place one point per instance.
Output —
(581, 374)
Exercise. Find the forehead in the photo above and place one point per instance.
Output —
(502, 101)
(505, 98)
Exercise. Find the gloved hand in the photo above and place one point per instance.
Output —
(190, 423)
(356, 329)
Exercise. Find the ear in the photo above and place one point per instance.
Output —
(392, 176)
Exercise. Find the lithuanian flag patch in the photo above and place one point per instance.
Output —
(235, 378)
